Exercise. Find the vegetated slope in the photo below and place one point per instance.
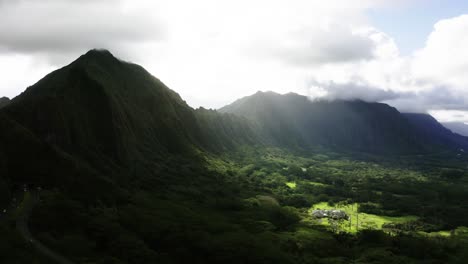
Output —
(457, 127)
(24, 158)
(294, 120)
(222, 132)
(111, 112)
(101, 122)
(27, 159)
(101, 107)
(4, 101)
(431, 131)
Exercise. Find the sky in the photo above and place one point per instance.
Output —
(411, 54)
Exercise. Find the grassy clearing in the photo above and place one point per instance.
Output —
(359, 221)
(293, 184)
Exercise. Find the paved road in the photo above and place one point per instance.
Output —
(23, 229)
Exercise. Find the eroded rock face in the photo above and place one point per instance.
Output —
(331, 214)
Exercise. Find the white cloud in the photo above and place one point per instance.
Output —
(58, 30)
(445, 56)
(18, 72)
(450, 115)
(357, 90)
(326, 44)
(219, 52)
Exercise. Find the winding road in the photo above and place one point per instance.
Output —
(31, 198)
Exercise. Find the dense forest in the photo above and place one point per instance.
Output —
(100, 162)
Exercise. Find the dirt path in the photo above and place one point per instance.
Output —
(29, 201)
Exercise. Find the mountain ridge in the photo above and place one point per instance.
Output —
(115, 116)
(457, 127)
(433, 131)
(338, 124)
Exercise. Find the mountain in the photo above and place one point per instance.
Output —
(100, 107)
(457, 127)
(101, 121)
(431, 131)
(295, 121)
(4, 101)
(109, 111)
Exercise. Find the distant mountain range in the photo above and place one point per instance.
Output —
(103, 116)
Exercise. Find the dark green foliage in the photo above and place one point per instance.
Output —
(452, 174)
(13, 249)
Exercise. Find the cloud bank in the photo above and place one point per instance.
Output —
(213, 52)
(431, 79)
(59, 29)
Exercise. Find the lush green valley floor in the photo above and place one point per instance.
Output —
(253, 206)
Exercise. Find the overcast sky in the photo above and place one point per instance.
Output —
(409, 54)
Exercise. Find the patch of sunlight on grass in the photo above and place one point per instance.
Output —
(442, 233)
(359, 221)
(291, 185)
(459, 231)
(319, 184)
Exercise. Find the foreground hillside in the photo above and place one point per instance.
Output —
(122, 170)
